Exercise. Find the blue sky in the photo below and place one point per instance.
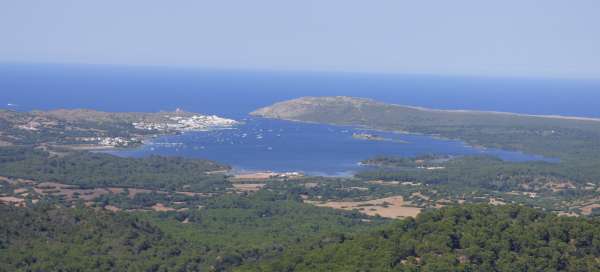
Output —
(545, 38)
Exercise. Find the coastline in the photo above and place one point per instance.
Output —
(548, 116)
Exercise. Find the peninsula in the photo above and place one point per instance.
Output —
(553, 136)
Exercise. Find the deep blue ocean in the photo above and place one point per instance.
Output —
(284, 146)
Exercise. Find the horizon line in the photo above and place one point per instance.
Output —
(313, 71)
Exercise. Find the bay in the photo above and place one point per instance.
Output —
(279, 145)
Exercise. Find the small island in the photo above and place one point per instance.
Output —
(374, 137)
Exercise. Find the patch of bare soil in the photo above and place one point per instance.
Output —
(192, 194)
(21, 190)
(11, 200)
(112, 208)
(266, 175)
(134, 191)
(248, 187)
(382, 182)
(568, 214)
(254, 176)
(115, 190)
(16, 181)
(348, 189)
(69, 192)
(496, 201)
(587, 210)
(24, 188)
(389, 207)
(420, 195)
(159, 207)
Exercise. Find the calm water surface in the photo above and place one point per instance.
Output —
(263, 144)
(277, 145)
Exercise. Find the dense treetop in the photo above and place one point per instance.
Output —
(467, 238)
(97, 169)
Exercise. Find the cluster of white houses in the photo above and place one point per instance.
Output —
(110, 141)
(118, 141)
(170, 124)
(192, 123)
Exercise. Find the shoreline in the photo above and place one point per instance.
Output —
(547, 116)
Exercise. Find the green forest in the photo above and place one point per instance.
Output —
(473, 172)
(466, 238)
(87, 169)
(270, 232)
(230, 231)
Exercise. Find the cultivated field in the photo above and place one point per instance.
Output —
(389, 207)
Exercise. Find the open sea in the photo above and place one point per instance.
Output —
(278, 145)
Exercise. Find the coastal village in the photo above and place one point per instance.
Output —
(191, 123)
(82, 128)
(171, 124)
